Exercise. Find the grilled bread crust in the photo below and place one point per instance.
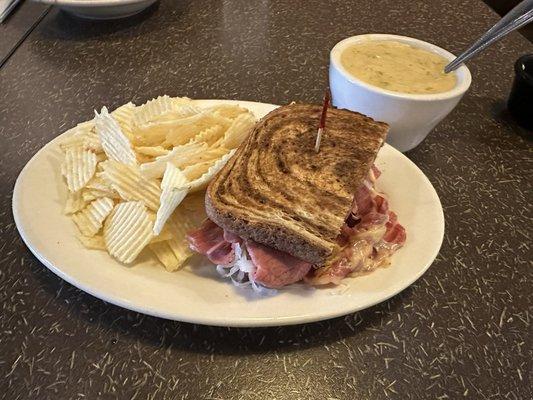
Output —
(276, 190)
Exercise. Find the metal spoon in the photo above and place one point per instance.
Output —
(519, 16)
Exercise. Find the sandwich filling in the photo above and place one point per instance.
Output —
(370, 235)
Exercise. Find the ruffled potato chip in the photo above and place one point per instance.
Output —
(127, 231)
(153, 109)
(152, 151)
(163, 109)
(75, 202)
(149, 138)
(182, 101)
(131, 185)
(124, 116)
(165, 255)
(195, 171)
(82, 135)
(90, 219)
(238, 131)
(72, 142)
(95, 242)
(201, 182)
(78, 167)
(99, 184)
(182, 131)
(76, 136)
(170, 198)
(92, 142)
(212, 154)
(88, 196)
(157, 134)
(230, 111)
(177, 156)
(115, 144)
(180, 112)
(188, 216)
(165, 234)
(209, 135)
(180, 248)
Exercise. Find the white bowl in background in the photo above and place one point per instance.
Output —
(410, 116)
(101, 9)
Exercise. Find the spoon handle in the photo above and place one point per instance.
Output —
(519, 16)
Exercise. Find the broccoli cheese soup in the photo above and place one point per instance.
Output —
(398, 67)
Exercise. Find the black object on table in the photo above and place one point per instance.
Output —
(520, 102)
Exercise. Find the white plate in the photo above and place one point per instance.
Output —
(101, 9)
(197, 294)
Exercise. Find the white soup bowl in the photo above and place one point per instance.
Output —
(410, 116)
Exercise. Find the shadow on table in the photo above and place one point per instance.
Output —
(501, 114)
(123, 325)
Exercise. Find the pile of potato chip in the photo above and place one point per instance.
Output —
(137, 176)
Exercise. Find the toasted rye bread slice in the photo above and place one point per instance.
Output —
(277, 191)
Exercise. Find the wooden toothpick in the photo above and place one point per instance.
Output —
(322, 124)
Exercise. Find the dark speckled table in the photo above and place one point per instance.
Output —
(462, 331)
(20, 22)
